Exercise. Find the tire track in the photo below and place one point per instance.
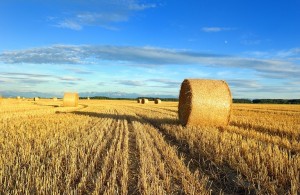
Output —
(223, 178)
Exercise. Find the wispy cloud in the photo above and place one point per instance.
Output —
(161, 83)
(31, 78)
(67, 23)
(250, 39)
(149, 56)
(104, 14)
(134, 83)
(216, 29)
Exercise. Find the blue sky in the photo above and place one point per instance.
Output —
(135, 47)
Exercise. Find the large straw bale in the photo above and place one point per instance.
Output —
(36, 99)
(204, 102)
(157, 101)
(71, 99)
(145, 101)
(139, 100)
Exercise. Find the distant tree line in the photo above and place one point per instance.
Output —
(149, 98)
(267, 101)
(240, 100)
(276, 101)
(162, 99)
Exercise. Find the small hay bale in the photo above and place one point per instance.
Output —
(88, 98)
(18, 97)
(157, 101)
(54, 98)
(139, 101)
(71, 99)
(204, 102)
(36, 99)
(145, 101)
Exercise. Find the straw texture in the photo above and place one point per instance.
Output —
(71, 99)
(157, 101)
(145, 101)
(204, 102)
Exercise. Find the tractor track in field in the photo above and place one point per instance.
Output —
(226, 185)
(133, 164)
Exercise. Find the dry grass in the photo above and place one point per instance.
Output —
(120, 147)
(204, 102)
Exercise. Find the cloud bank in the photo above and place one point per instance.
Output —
(151, 56)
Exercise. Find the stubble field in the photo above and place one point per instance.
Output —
(122, 147)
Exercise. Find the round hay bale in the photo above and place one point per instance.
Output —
(18, 97)
(70, 99)
(139, 101)
(157, 101)
(204, 102)
(54, 98)
(145, 101)
(36, 99)
(88, 98)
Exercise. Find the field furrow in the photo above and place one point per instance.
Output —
(122, 147)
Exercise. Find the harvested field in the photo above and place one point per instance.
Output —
(121, 147)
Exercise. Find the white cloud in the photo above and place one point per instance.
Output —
(148, 56)
(69, 24)
(216, 29)
(104, 14)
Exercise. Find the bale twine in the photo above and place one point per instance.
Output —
(204, 102)
(145, 101)
(36, 99)
(70, 99)
(157, 101)
(139, 101)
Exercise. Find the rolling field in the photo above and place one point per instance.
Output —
(122, 147)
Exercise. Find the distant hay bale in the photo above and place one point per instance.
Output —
(204, 102)
(18, 97)
(88, 98)
(139, 101)
(36, 99)
(71, 99)
(145, 101)
(157, 101)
